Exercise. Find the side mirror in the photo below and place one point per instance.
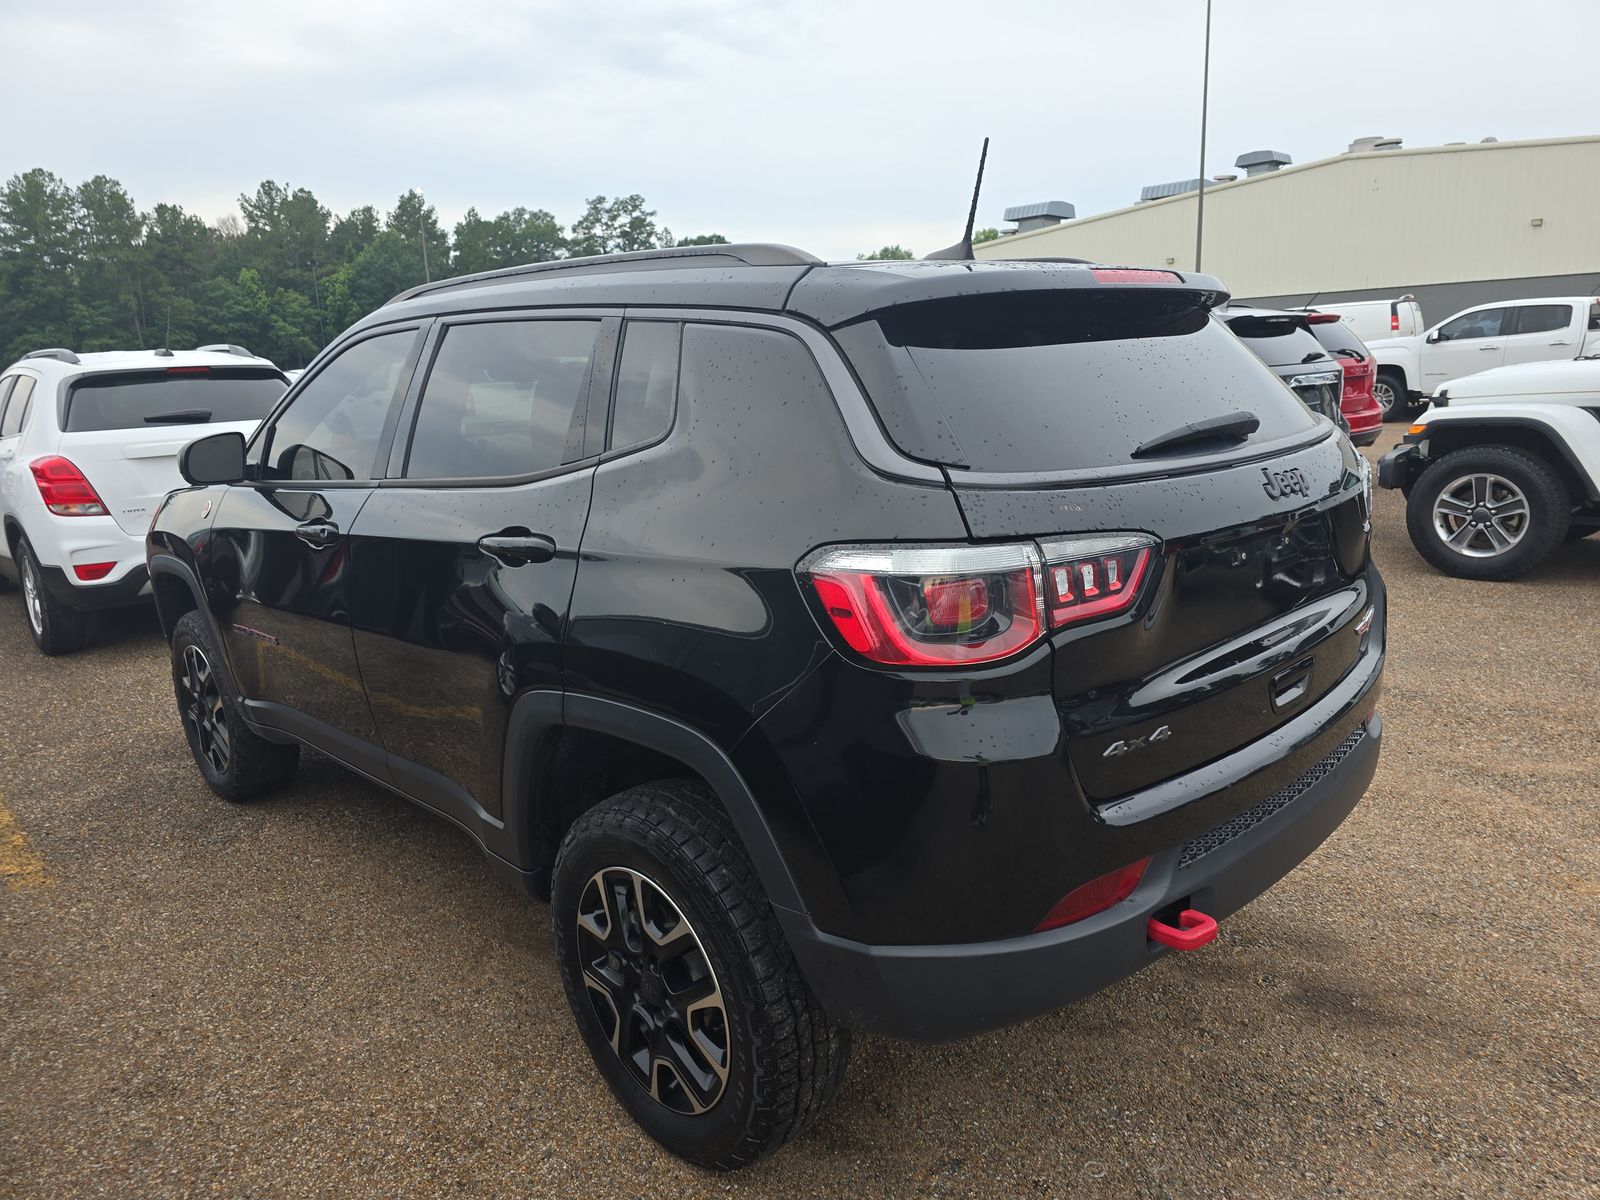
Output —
(215, 459)
(1433, 337)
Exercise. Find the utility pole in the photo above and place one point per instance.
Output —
(1205, 96)
(421, 209)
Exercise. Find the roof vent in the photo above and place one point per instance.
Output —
(1040, 215)
(1487, 140)
(1160, 191)
(1364, 144)
(1259, 162)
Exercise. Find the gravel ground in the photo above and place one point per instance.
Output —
(328, 994)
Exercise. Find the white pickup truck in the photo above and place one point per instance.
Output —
(1478, 339)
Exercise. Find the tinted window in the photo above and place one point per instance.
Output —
(332, 428)
(647, 383)
(1057, 381)
(1338, 338)
(17, 410)
(1542, 318)
(503, 398)
(1277, 339)
(5, 389)
(1482, 324)
(149, 398)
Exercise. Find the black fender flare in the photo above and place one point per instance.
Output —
(170, 565)
(537, 712)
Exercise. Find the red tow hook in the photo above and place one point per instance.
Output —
(1193, 930)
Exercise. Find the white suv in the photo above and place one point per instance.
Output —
(89, 445)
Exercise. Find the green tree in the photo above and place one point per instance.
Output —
(353, 233)
(896, 251)
(511, 239)
(985, 235)
(38, 253)
(107, 308)
(417, 220)
(615, 227)
(390, 265)
(703, 239)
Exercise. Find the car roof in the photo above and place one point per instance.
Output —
(98, 362)
(767, 278)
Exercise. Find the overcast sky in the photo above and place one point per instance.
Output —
(835, 126)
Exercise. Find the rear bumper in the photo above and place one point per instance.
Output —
(131, 589)
(933, 993)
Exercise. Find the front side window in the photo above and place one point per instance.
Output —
(1482, 324)
(647, 383)
(503, 399)
(17, 409)
(331, 430)
(1543, 318)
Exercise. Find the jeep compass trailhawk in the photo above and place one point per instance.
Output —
(903, 647)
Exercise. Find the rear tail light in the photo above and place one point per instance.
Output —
(939, 606)
(89, 572)
(1394, 321)
(64, 489)
(930, 606)
(1094, 576)
(1095, 896)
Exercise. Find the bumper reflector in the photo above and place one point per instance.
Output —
(89, 572)
(1095, 896)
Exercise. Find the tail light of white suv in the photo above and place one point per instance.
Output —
(943, 606)
(64, 489)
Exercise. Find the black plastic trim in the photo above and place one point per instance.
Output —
(124, 593)
(1557, 441)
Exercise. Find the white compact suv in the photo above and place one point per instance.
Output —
(89, 445)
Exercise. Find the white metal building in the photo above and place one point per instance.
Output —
(1454, 225)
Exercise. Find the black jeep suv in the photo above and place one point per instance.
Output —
(903, 647)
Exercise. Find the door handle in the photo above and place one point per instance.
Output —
(1483, 348)
(319, 535)
(1561, 343)
(517, 547)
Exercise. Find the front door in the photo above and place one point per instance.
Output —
(464, 561)
(280, 544)
(1467, 344)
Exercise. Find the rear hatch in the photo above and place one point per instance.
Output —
(124, 430)
(1284, 342)
(1043, 409)
(1339, 340)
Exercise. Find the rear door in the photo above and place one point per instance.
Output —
(1540, 332)
(1472, 342)
(280, 552)
(465, 557)
(1201, 596)
(124, 430)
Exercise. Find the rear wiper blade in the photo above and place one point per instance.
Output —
(1237, 425)
(181, 416)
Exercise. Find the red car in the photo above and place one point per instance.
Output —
(1361, 411)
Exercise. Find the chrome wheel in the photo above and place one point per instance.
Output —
(653, 990)
(204, 717)
(1383, 393)
(32, 594)
(1481, 515)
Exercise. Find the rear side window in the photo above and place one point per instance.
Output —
(332, 428)
(647, 383)
(1057, 380)
(1338, 338)
(16, 411)
(1543, 318)
(504, 398)
(1279, 340)
(179, 396)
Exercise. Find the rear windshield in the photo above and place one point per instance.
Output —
(1279, 340)
(1057, 381)
(178, 396)
(1338, 338)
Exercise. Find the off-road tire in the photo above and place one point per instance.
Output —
(55, 628)
(254, 766)
(1550, 511)
(786, 1056)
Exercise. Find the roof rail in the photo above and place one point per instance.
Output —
(744, 254)
(226, 348)
(56, 352)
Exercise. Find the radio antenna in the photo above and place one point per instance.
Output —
(962, 250)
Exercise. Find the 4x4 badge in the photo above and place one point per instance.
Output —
(1121, 747)
(1278, 484)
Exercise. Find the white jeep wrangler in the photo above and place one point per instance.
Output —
(1502, 468)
